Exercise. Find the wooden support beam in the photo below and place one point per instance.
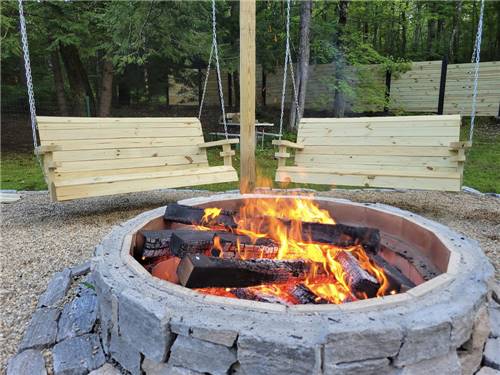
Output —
(247, 95)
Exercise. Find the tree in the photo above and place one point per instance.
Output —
(302, 71)
(340, 63)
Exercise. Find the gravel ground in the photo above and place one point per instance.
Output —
(40, 238)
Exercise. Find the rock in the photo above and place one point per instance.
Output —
(495, 321)
(257, 356)
(81, 269)
(107, 369)
(78, 317)
(368, 343)
(424, 341)
(369, 367)
(78, 355)
(492, 353)
(201, 355)
(488, 371)
(154, 368)
(29, 362)
(142, 325)
(471, 353)
(56, 290)
(216, 336)
(42, 329)
(125, 354)
(445, 365)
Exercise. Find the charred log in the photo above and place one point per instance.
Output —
(191, 242)
(200, 271)
(304, 295)
(358, 280)
(193, 215)
(257, 295)
(156, 243)
(397, 280)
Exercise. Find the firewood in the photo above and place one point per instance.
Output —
(397, 280)
(335, 234)
(358, 280)
(257, 295)
(304, 295)
(156, 243)
(184, 242)
(167, 270)
(194, 215)
(200, 271)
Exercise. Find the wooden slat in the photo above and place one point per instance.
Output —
(95, 165)
(121, 143)
(72, 134)
(354, 168)
(376, 150)
(174, 179)
(126, 153)
(122, 171)
(369, 180)
(281, 142)
(368, 131)
(113, 120)
(341, 160)
(375, 141)
(394, 119)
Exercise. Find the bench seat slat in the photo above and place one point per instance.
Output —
(184, 178)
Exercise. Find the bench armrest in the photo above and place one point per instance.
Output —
(222, 142)
(298, 146)
(41, 150)
(227, 153)
(460, 145)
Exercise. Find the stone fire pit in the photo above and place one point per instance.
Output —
(437, 327)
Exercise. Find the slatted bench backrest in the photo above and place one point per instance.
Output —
(408, 144)
(105, 146)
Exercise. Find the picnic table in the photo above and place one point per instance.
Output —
(260, 130)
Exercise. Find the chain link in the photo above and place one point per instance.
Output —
(476, 57)
(27, 68)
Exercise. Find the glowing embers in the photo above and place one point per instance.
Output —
(286, 251)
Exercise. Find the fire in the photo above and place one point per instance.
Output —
(280, 219)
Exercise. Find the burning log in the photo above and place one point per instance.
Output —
(304, 295)
(200, 271)
(397, 280)
(198, 216)
(258, 295)
(231, 245)
(358, 280)
(335, 234)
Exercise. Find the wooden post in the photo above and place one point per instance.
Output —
(247, 96)
(442, 85)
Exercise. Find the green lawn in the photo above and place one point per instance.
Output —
(20, 171)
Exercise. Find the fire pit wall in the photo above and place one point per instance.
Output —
(440, 326)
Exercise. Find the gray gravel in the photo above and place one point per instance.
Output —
(40, 238)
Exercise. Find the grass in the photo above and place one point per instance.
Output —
(20, 171)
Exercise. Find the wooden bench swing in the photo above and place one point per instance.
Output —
(411, 152)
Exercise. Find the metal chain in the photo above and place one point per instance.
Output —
(206, 82)
(27, 68)
(476, 57)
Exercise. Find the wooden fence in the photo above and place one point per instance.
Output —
(416, 90)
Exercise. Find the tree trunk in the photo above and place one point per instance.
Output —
(236, 88)
(73, 66)
(106, 90)
(59, 83)
(403, 33)
(302, 73)
(167, 89)
(417, 35)
(453, 46)
(339, 100)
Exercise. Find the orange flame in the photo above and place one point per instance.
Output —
(280, 219)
